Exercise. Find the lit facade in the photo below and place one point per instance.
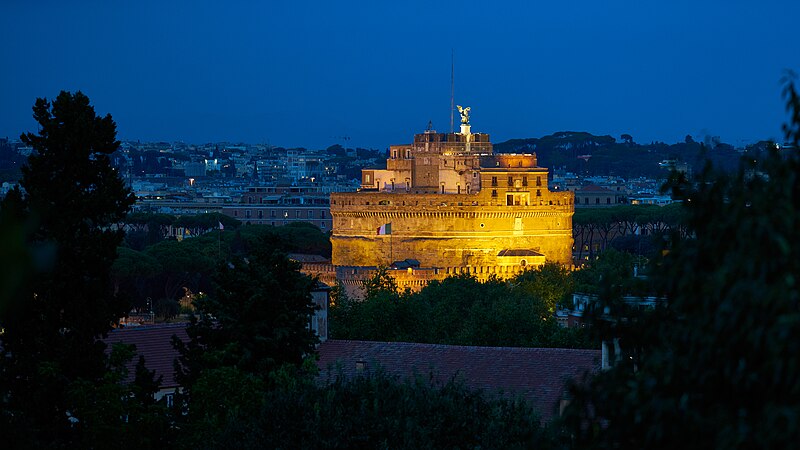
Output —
(455, 207)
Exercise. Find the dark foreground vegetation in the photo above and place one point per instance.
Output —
(461, 310)
(713, 366)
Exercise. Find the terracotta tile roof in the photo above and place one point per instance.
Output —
(306, 258)
(536, 374)
(154, 342)
(518, 252)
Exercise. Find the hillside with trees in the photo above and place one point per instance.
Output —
(583, 153)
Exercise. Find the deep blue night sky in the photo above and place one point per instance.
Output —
(303, 73)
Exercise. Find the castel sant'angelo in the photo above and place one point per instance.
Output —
(447, 204)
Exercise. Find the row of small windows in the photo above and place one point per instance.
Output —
(260, 200)
(524, 181)
(321, 224)
(298, 214)
(596, 200)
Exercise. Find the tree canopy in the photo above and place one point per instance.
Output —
(716, 367)
(50, 351)
(461, 310)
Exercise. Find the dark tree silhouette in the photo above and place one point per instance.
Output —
(717, 366)
(70, 196)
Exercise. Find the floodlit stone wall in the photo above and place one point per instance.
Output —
(447, 230)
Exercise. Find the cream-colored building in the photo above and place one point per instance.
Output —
(454, 206)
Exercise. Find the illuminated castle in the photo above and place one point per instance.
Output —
(447, 204)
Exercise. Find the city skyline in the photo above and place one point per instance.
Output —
(308, 74)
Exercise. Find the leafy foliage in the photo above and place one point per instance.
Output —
(50, 353)
(370, 411)
(461, 310)
(635, 228)
(256, 319)
(162, 270)
(715, 368)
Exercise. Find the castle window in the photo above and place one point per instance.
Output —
(538, 193)
(538, 181)
(608, 200)
(510, 181)
(494, 181)
(597, 201)
(235, 213)
(524, 181)
(494, 192)
(260, 214)
(247, 213)
(586, 200)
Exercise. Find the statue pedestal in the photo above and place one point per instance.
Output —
(465, 129)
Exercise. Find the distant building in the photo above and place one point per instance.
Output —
(597, 196)
(282, 205)
(650, 199)
(194, 169)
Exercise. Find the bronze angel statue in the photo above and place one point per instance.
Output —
(464, 114)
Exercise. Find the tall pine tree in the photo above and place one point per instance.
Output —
(72, 197)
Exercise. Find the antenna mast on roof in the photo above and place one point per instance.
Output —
(452, 83)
